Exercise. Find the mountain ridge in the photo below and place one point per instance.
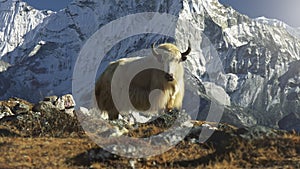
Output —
(18, 19)
(256, 56)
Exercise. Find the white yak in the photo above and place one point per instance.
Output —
(166, 76)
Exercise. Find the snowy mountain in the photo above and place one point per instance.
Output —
(260, 58)
(17, 20)
(277, 23)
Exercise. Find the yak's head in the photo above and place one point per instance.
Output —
(170, 57)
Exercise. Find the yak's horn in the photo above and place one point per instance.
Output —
(187, 52)
(154, 52)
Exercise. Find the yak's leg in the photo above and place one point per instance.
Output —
(113, 114)
(173, 97)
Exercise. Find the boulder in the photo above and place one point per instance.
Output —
(65, 104)
(5, 111)
(43, 106)
(52, 99)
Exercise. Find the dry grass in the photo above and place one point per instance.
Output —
(233, 152)
(40, 152)
(56, 140)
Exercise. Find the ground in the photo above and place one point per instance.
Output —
(221, 151)
(26, 143)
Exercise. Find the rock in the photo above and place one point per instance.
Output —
(60, 104)
(21, 108)
(140, 118)
(228, 82)
(5, 111)
(66, 103)
(259, 132)
(69, 101)
(83, 113)
(232, 82)
(49, 122)
(41, 119)
(15, 106)
(210, 127)
(51, 99)
(4, 66)
(43, 106)
(290, 122)
(70, 111)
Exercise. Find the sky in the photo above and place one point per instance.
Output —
(54, 5)
(284, 10)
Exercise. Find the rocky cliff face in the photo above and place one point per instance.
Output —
(260, 81)
(264, 56)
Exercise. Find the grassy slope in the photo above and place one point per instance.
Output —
(218, 152)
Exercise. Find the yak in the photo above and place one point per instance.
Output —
(166, 74)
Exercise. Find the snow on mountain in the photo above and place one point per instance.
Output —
(3, 66)
(17, 20)
(260, 60)
(277, 23)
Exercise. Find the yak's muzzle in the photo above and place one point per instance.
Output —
(169, 77)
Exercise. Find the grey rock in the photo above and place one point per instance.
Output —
(21, 108)
(4, 66)
(70, 111)
(60, 104)
(228, 81)
(232, 82)
(69, 101)
(44, 106)
(66, 103)
(259, 132)
(5, 111)
(51, 99)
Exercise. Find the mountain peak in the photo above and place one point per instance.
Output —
(17, 19)
(42, 49)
